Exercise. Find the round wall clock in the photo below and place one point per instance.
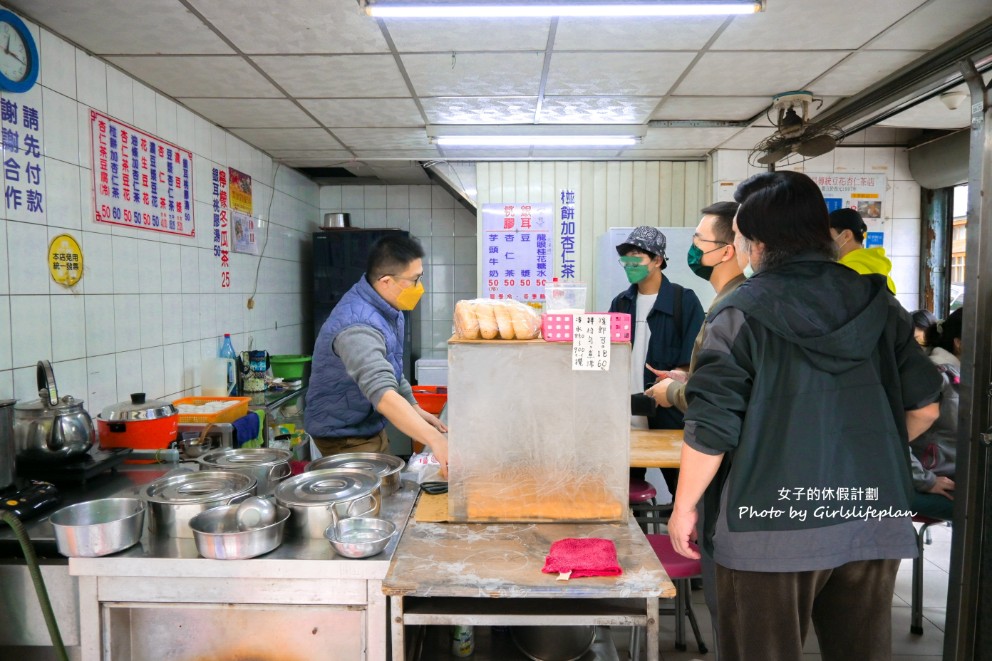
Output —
(19, 61)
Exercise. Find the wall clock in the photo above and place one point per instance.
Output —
(19, 62)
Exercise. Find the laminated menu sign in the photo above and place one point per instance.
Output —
(516, 250)
(140, 180)
(591, 335)
(245, 238)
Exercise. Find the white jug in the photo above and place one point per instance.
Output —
(214, 377)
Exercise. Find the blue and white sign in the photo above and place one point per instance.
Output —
(517, 250)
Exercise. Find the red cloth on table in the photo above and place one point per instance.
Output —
(583, 557)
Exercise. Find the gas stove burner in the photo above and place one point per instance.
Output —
(90, 465)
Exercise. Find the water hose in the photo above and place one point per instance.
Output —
(39, 584)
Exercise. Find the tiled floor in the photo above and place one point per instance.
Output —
(905, 646)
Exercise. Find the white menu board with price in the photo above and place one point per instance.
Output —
(516, 250)
(591, 342)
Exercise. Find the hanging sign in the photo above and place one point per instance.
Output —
(516, 250)
(140, 180)
(65, 260)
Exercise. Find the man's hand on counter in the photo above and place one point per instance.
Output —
(417, 424)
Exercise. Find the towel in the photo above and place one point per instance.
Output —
(245, 429)
(583, 557)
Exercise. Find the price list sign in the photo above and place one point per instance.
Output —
(591, 342)
(140, 180)
(516, 250)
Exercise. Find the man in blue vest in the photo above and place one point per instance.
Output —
(357, 382)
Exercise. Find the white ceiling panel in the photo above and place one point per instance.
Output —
(424, 154)
(475, 74)
(756, 74)
(370, 139)
(655, 34)
(251, 113)
(596, 109)
(634, 153)
(192, 75)
(364, 113)
(933, 114)
(302, 26)
(271, 139)
(400, 172)
(330, 76)
(935, 23)
(139, 26)
(615, 74)
(688, 138)
(747, 138)
(802, 25)
(325, 154)
(480, 110)
(861, 70)
(460, 35)
(732, 108)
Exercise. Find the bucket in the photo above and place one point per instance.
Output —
(213, 377)
(288, 367)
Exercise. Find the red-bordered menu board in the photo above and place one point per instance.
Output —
(140, 180)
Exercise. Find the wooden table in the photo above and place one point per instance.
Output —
(655, 448)
(490, 574)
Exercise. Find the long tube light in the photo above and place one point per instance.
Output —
(548, 8)
(536, 135)
(534, 141)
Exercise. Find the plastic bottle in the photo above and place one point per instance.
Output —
(462, 641)
(227, 351)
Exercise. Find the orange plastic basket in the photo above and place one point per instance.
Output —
(238, 408)
(431, 398)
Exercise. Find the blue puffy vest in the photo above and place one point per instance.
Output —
(336, 407)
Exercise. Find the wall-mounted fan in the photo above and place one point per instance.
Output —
(796, 139)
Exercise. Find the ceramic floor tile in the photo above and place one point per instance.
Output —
(906, 643)
(937, 616)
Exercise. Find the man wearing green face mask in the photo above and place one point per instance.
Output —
(357, 382)
(665, 317)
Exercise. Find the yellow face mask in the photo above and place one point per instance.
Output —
(409, 297)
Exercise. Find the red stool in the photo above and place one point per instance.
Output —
(922, 535)
(642, 502)
(680, 569)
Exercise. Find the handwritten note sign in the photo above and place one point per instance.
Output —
(591, 342)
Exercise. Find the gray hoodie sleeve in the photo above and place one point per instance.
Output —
(362, 349)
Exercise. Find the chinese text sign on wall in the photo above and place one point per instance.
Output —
(516, 250)
(567, 235)
(140, 180)
(23, 173)
(221, 229)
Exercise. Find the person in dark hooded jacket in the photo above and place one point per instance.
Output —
(807, 389)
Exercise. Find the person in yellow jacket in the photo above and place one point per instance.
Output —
(848, 229)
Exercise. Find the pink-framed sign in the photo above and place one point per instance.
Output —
(140, 180)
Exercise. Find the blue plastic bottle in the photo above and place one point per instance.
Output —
(227, 351)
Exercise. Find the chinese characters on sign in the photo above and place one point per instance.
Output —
(244, 232)
(140, 180)
(567, 235)
(222, 239)
(516, 250)
(862, 192)
(65, 260)
(591, 342)
(22, 159)
(240, 191)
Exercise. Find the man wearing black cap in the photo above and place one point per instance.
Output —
(848, 229)
(665, 319)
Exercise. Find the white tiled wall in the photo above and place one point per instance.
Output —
(149, 307)
(447, 232)
(900, 208)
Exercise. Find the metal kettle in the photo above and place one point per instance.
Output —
(52, 428)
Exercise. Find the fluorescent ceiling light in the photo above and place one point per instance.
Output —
(536, 135)
(547, 8)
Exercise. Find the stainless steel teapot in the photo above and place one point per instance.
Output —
(52, 428)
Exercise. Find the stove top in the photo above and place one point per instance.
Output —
(76, 472)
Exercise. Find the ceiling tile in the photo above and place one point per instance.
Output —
(756, 74)
(688, 138)
(125, 26)
(273, 139)
(487, 154)
(475, 74)
(192, 75)
(615, 74)
(596, 109)
(935, 23)
(324, 154)
(482, 34)
(480, 109)
(400, 172)
(426, 153)
(583, 34)
(803, 25)
(861, 70)
(730, 108)
(364, 112)
(932, 114)
(251, 113)
(303, 26)
(371, 139)
(747, 138)
(634, 153)
(322, 76)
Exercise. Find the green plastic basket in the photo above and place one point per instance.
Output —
(288, 366)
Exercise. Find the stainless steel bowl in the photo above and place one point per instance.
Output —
(360, 537)
(217, 536)
(98, 527)
(550, 643)
(388, 467)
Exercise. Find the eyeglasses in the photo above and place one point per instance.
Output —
(416, 281)
(696, 237)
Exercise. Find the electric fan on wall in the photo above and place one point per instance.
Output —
(796, 139)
